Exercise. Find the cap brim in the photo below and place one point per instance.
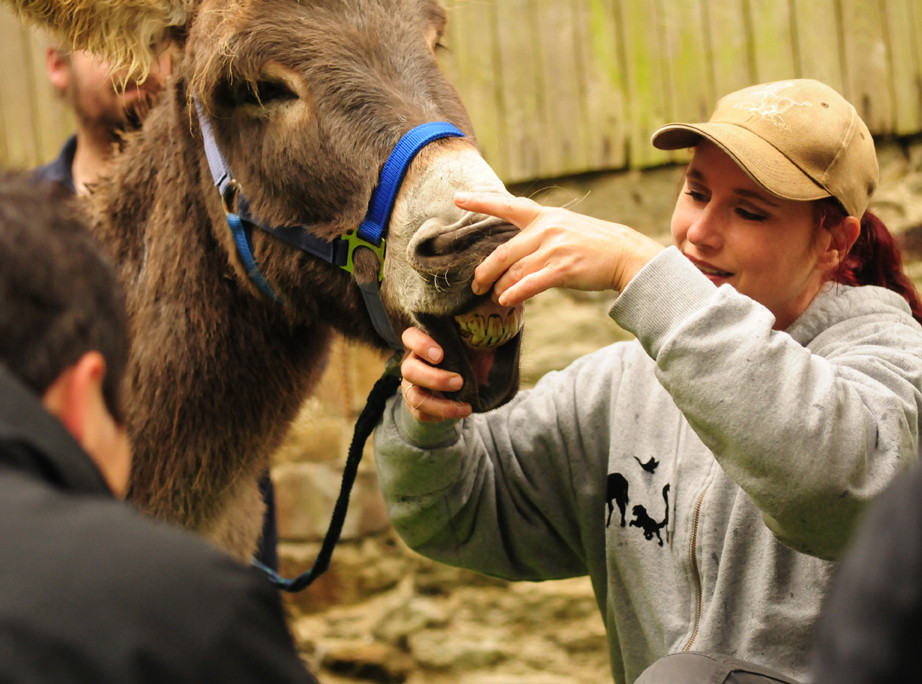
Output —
(759, 159)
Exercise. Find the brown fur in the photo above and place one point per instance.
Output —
(218, 372)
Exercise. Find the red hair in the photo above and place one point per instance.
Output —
(874, 259)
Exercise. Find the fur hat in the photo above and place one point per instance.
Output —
(798, 139)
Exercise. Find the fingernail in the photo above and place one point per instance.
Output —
(455, 384)
(462, 197)
(434, 354)
(475, 288)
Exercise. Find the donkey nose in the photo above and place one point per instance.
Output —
(457, 246)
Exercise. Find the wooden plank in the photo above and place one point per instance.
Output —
(688, 65)
(7, 25)
(731, 61)
(817, 42)
(20, 149)
(519, 89)
(644, 66)
(905, 64)
(604, 84)
(772, 44)
(470, 62)
(563, 123)
(916, 31)
(687, 61)
(866, 69)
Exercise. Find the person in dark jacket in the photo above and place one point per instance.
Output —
(872, 622)
(91, 590)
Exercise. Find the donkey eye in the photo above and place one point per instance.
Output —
(262, 93)
(273, 92)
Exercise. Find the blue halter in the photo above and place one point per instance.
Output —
(339, 251)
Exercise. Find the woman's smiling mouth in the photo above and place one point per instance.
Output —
(714, 274)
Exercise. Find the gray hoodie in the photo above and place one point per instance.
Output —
(699, 474)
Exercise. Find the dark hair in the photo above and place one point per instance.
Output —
(59, 296)
(874, 259)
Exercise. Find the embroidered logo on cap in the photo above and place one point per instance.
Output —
(772, 106)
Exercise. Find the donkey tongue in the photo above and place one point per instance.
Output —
(481, 365)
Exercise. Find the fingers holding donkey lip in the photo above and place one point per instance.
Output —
(551, 251)
(423, 382)
(515, 271)
(522, 213)
(519, 211)
(418, 342)
(418, 372)
(428, 407)
(556, 248)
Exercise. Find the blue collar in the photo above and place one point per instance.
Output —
(339, 251)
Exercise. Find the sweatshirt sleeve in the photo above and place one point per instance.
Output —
(506, 493)
(810, 428)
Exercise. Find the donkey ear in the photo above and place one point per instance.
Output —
(128, 35)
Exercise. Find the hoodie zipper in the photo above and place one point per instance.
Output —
(696, 574)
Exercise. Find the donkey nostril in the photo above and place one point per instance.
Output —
(477, 239)
(447, 244)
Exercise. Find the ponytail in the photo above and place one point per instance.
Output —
(874, 259)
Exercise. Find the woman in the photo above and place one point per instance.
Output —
(739, 436)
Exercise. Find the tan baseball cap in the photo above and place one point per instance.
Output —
(798, 139)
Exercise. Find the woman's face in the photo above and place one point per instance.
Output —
(737, 233)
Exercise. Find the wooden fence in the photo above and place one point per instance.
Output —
(560, 87)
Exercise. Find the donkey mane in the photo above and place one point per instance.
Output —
(127, 34)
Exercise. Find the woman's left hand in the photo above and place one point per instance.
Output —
(555, 248)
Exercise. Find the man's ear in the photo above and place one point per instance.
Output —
(57, 63)
(76, 398)
(838, 240)
(71, 396)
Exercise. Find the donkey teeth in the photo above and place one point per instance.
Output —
(481, 331)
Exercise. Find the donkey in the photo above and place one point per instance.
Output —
(306, 99)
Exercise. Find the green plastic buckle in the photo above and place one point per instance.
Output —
(352, 237)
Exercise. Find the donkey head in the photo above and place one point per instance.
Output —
(307, 100)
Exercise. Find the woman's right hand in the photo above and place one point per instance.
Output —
(423, 382)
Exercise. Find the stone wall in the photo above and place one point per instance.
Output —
(384, 614)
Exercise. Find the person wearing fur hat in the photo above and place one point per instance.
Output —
(707, 474)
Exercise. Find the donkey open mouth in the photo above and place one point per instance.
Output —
(481, 339)
(482, 345)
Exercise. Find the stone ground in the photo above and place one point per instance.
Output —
(384, 614)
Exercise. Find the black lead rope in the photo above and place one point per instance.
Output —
(384, 388)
